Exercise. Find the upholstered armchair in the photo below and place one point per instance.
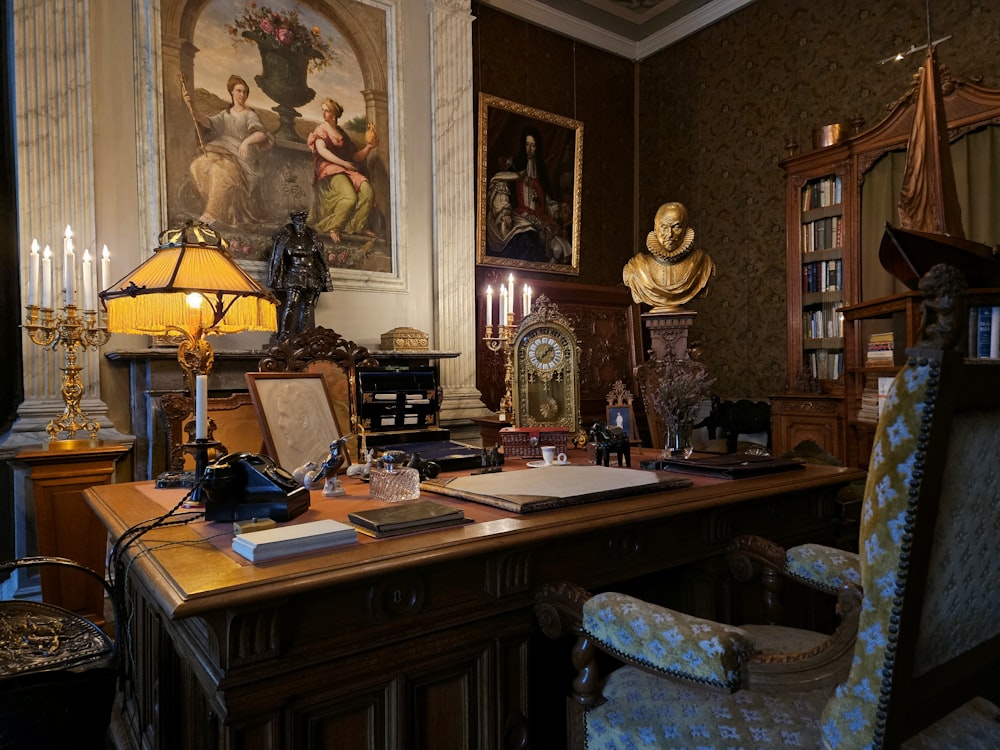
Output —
(926, 646)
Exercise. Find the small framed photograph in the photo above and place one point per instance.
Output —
(529, 169)
(296, 415)
(622, 416)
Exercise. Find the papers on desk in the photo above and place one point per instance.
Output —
(269, 544)
(404, 518)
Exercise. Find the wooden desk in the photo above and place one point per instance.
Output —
(421, 641)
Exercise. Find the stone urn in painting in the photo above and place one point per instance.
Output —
(284, 79)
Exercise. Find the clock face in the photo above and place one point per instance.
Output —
(545, 352)
(545, 379)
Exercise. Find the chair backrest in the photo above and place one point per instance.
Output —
(232, 421)
(929, 635)
(325, 351)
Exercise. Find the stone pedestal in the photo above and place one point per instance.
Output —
(668, 333)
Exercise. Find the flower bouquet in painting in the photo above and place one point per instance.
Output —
(289, 51)
(674, 390)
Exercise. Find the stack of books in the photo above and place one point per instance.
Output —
(868, 403)
(406, 518)
(879, 350)
(258, 546)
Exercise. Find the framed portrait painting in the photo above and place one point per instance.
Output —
(529, 165)
(280, 107)
(296, 415)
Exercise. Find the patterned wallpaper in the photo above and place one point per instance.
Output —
(713, 116)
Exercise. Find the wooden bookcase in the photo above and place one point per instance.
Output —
(899, 314)
(824, 227)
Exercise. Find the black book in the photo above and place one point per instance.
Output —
(402, 518)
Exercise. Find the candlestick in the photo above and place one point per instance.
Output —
(489, 306)
(47, 278)
(105, 268)
(201, 408)
(33, 280)
(88, 281)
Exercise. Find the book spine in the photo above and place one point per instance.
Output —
(995, 333)
(985, 329)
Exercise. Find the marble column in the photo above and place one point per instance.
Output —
(455, 209)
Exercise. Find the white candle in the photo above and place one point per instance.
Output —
(47, 278)
(510, 296)
(527, 309)
(489, 306)
(105, 268)
(87, 270)
(69, 271)
(33, 274)
(525, 301)
(503, 305)
(201, 408)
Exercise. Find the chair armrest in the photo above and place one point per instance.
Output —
(665, 641)
(825, 568)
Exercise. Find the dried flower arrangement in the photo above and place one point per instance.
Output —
(675, 389)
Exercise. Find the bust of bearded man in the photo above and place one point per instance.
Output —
(673, 271)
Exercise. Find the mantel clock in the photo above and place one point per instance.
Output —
(546, 365)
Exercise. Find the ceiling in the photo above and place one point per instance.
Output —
(631, 28)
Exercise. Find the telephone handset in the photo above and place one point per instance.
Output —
(240, 486)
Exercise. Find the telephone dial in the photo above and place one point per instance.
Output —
(241, 486)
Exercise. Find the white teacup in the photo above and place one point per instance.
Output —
(548, 454)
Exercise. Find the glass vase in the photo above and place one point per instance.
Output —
(677, 440)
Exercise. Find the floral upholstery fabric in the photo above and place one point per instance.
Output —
(827, 568)
(646, 711)
(965, 538)
(667, 641)
(849, 719)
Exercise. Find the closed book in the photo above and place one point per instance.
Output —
(985, 331)
(295, 539)
(995, 333)
(403, 517)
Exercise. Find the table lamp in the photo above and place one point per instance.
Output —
(189, 289)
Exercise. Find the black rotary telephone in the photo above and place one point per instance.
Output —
(241, 486)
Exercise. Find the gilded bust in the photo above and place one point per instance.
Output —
(673, 271)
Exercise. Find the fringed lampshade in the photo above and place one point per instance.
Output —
(153, 299)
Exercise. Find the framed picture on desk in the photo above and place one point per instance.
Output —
(296, 415)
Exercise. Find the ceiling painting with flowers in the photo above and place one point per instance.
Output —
(275, 107)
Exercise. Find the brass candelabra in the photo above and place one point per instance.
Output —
(72, 329)
(499, 338)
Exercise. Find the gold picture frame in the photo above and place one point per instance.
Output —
(529, 168)
(619, 410)
(296, 415)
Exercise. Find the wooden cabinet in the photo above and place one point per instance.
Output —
(65, 526)
(838, 199)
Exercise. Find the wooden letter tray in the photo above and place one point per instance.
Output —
(391, 400)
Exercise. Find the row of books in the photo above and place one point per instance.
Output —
(822, 276)
(984, 332)
(880, 349)
(823, 323)
(825, 364)
(826, 191)
(822, 234)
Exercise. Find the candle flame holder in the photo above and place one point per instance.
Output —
(72, 329)
(499, 338)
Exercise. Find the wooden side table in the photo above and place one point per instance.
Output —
(64, 524)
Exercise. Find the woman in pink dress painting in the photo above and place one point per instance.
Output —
(343, 193)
